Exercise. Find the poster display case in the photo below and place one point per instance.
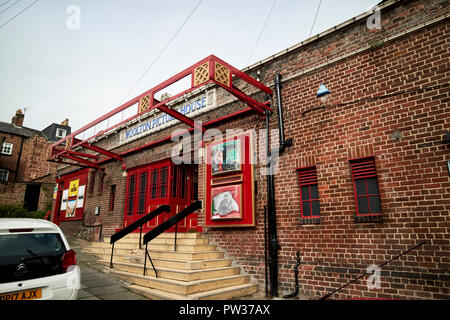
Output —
(229, 179)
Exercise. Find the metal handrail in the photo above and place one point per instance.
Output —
(152, 234)
(367, 273)
(137, 224)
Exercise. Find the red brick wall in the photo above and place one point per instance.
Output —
(400, 86)
(34, 162)
(33, 165)
(10, 161)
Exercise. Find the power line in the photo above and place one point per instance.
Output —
(1, 5)
(261, 32)
(9, 6)
(163, 49)
(314, 22)
(4, 24)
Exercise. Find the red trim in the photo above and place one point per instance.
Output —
(307, 177)
(82, 161)
(101, 150)
(363, 169)
(58, 154)
(63, 184)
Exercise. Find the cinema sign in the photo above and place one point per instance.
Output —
(160, 120)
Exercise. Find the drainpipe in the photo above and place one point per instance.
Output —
(271, 208)
(283, 143)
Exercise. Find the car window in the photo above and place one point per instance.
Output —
(30, 244)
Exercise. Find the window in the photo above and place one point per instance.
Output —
(181, 178)
(60, 133)
(7, 148)
(309, 193)
(112, 197)
(100, 182)
(91, 182)
(131, 194)
(4, 175)
(142, 193)
(365, 185)
(159, 181)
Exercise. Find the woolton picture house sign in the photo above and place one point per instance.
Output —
(159, 120)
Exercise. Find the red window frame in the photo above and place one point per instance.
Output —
(131, 194)
(307, 178)
(364, 170)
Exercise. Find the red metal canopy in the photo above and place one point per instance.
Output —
(208, 70)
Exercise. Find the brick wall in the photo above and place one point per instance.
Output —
(402, 86)
(10, 161)
(390, 102)
(32, 166)
(34, 162)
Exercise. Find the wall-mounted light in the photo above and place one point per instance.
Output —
(323, 90)
(124, 170)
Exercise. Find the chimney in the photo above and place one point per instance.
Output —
(17, 120)
(65, 122)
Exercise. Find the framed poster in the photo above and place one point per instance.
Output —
(229, 182)
(65, 196)
(71, 206)
(226, 157)
(73, 188)
(80, 196)
(226, 202)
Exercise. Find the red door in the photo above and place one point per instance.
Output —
(161, 183)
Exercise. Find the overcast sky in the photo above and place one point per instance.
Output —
(57, 70)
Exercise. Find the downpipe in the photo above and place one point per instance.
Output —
(283, 142)
(273, 245)
(295, 293)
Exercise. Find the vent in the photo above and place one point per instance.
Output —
(307, 176)
(363, 168)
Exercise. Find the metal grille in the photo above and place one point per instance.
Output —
(201, 74)
(144, 103)
(222, 75)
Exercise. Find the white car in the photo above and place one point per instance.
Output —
(36, 261)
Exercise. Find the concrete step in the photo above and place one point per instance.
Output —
(138, 255)
(189, 256)
(195, 271)
(177, 274)
(159, 240)
(231, 292)
(164, 244)
(181, 287)
(172, 264)
(165, 235)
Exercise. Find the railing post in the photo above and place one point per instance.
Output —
(145, 258)
(112, 253)
(175, 243)
(140, 235)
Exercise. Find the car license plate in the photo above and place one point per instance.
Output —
(23, 295)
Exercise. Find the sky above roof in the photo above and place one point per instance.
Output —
(79, 59)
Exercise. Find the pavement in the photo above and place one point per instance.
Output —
(96, 283)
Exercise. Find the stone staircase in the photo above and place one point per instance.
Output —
(195, 271)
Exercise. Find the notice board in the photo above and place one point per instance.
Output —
(229, 178)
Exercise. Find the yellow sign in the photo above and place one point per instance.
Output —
(73, 188)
